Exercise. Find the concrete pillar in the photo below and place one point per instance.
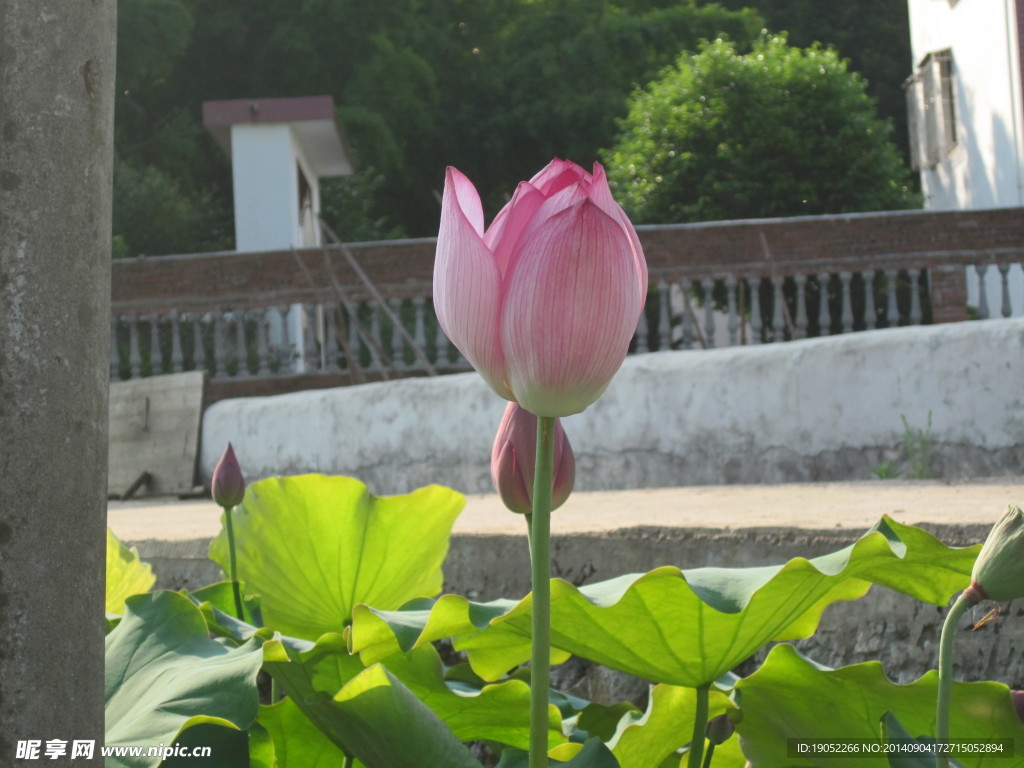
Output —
(56, 134)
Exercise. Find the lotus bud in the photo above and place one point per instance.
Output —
(228, 486)
(514, 456)
(544, 302)
(720, 728)
(1018, 703)
(999, 570)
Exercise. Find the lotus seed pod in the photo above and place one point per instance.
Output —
(999, 570)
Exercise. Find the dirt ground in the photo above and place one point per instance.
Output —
(799, 505)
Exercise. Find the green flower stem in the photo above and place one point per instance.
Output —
(540, 574)
(347, 761)
(946, 675)
(707, 756)
(700, 726)
(232, 567)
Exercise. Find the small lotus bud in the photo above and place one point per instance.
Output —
(228, 486)
(720, 728)
(1018, 703)
(514, 456)
(999, 570)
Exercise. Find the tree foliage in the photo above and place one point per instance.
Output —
(779, 131)
(873, 34)
(495, 88)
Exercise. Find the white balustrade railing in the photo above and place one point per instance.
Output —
(358, 339)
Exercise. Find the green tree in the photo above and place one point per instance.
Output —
(873, 34)
(779, 131)
(494, 88)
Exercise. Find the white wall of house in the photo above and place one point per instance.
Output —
(985, 168)
(265, 169)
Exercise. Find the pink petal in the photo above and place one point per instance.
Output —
(557, 175)
(504, 232)
(601, 194)
(565, 198)
(467, 285)
(467, 197)
(572, 301)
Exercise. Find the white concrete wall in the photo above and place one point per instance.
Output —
(266, 187)
(811, 410)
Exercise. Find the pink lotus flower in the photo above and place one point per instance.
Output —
(514, 457)
(228, 485)
(544, 302)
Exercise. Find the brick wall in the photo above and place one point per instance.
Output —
(403, 267)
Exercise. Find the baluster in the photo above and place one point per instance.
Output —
(441, 348)
(1004, 277)
(845, 278)
(134, 358)
(733, 323)
(801, 304)
(310, 338)
(198, 350)
(824, 316)
(115, 353)
(375, 333)
(778, 318)
(664, 316)
(709, 311)
(419, 333)
(354, 342)
(330, 354)
(375, 328)
(756, 322)
(892, 310)
(915, 296)
(275, 339)
(177, 358)
(397, 342)
(686, 331)
(156, 363)
(218, 344)
(262, 350)
(870, 315)
(641, 333)
(240, 347)
(983, 312)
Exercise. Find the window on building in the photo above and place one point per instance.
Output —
(931, 114)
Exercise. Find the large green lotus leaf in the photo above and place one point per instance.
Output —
(893, 732)
(591, 754)
(384, 725)
(498, 713)
(127, 575)
(648, 739)
(221, 596)
(681, 627)
(792, 697)
(164, 674)
(228, 748)
(298, 743)
(314, 546)
(377, 634)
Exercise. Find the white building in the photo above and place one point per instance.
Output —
(280, 149)
(964, 103)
